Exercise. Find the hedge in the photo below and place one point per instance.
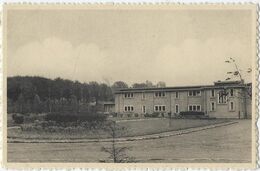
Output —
(64, 118)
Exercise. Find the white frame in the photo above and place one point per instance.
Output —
(193, 106)
(225, 99)
(178, 108)
(158, 108)
(192, 93)
(214, 106)
(229, 106)
(131, 106)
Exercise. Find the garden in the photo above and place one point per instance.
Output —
(94, 126)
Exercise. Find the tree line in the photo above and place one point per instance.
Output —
(27, 94)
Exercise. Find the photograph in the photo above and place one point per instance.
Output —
(134, 84)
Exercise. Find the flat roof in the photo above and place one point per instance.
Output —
(183, 88)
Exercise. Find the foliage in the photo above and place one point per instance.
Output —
(192, 114)
(74, 118)
(119, 84)
(18, 118)
(116, 153)
(153, 115)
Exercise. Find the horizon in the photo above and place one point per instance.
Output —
(129, 85)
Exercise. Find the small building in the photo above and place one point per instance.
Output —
(109, 107)
(224, 99)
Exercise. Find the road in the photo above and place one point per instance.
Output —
(225, 144)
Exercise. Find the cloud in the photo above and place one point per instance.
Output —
(54, 57)
(198, 62)
(192, 62)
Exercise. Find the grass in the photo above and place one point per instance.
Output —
(133, 128)
(227, 144)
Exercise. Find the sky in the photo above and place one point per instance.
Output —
(179, 47)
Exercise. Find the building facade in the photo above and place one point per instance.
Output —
(222, 100)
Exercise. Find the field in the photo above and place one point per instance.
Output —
(229, 144)
(133, 128)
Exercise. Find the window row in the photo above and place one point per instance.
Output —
(159, 108)
(129, 95)
(221, 96)
(194, 108)
(229, 92)
(231, 106)
(194, 93)
(162, 108)
(159, 94)
(129, 108)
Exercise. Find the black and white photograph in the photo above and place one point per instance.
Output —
(142, 84)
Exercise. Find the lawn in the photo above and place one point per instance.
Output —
(227, 144)
(133, 128)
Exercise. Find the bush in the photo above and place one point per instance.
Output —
(153, 115)
(192, 114)
(75, 118)
(18, 118)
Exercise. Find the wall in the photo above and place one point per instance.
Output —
(170, 100)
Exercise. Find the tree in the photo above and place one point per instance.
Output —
(119, 84)
(247, 88)
(116, 153)
(36, 104)
(139, 85)
(161, 84)
(149, 84)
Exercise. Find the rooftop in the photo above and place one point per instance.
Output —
(218, 84)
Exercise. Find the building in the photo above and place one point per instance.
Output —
(109, 107)
(224, 99)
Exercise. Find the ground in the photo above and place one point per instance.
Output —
(231, 143)
(134, 128)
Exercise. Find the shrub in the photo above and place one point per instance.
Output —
(18, 118)
(74, 118)
(153, 115)
(192, 114)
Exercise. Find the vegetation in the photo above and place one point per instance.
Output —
(117, 153)
(18, 119)
(83, 117)
(32, 94)
(72, 130)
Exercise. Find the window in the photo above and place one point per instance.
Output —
(129, 108)
(159, 108)
(144, 109)
(231, 106)
(194, 93)
(212, 106)
(194, 108)
(222, 99)
(129, 95)
(159, 94)
(176, 108)
(176, 95)
(231, 92)
(163, 108)
(212, 93)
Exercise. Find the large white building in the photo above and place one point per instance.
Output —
(227, 99)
